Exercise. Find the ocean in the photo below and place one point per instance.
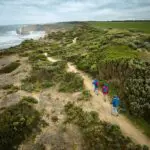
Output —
(9, 38)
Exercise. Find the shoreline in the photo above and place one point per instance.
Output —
(18, 39)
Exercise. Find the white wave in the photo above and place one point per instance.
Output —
(11, 38)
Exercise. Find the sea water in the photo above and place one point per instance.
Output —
(11, 38)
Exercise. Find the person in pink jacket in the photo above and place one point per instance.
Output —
(105, 91)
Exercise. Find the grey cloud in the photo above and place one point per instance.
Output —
(45, 11)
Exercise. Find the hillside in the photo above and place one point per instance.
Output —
(46, 93)
(48, 28)
(142, 26)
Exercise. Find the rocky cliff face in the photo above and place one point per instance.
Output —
(23, 30)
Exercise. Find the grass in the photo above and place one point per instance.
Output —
(135, 26)
(113, 53)
(9, 68)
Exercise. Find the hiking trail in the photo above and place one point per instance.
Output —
(103, 109)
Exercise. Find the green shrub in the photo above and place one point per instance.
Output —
(10, 88)
(86, 95)
(137, 90)
(47, 84)
(44, 75)
(9, 68)
(16, 124)
(54, 118)
(27, 86)
(37, 57)
(25, 54)
(71, 82)
(29, 99)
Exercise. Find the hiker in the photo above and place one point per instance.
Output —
(105, 90)
(95, 84)
(115, 104)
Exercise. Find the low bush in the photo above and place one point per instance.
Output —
(44, 75)
(71, 82)
(34, 57)
(46, 84)
(54, 118)
(27, 86)
(16, 124)
(9, 68)
(10, 88)
(86, 95)
(29, 99)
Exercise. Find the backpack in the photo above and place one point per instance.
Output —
(96, 83)
(105, 89)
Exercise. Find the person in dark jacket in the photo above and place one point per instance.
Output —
(95, 84)
(115, 105)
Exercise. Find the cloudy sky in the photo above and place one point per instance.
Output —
(47, 11)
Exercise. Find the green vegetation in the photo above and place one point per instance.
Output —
(9, 68)
(54, 118)
(16, 124)
(10, 88)
(98, 134)
(44, 74)
(137, 90)
(118, 52)
(141, 26)
(29, 99)
(36, 57)
(112, 85)
(71, 82)
(86, 95)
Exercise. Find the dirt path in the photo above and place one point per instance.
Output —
(74, 41)
(104, 110)
(50, 58)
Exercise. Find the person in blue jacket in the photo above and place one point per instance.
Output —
(95, 84)
(115, 105)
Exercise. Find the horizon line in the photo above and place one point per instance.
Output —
(129, 20)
